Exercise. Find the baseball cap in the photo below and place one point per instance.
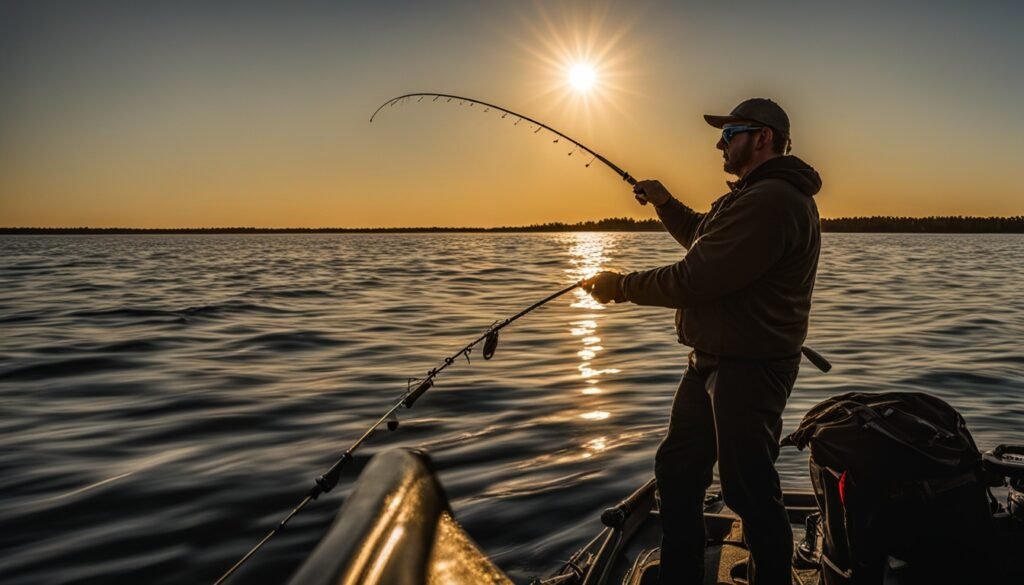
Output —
(761, 110)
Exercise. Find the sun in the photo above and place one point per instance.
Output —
(582, 77)
(585, 59)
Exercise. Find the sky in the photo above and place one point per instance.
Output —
(227, 113)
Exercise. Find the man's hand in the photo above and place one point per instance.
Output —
(653, 191)
(605, 287)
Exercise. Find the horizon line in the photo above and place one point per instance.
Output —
(873, 223)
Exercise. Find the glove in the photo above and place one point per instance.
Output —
(652, 191)
(605, 287)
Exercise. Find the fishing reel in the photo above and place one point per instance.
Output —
(1007, 461)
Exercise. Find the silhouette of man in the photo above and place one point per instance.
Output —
(742, 295)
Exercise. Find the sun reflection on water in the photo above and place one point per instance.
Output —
(594, 446)
(588, 256)
(588, 372)
(584, 327)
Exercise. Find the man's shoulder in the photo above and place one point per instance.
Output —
(777, 201)
(775, 191)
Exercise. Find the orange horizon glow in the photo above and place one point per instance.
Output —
(246, 131)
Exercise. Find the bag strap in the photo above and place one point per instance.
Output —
(877, 423)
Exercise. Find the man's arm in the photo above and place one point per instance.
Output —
(680, 221)
(741, 244)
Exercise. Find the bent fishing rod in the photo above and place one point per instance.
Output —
(505, 112)
(416, 388)
(814, 357)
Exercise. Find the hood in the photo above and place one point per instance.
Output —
(788, 168)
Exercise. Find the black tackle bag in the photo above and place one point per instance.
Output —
(898, 481)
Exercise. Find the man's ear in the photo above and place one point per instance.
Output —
(765, 138)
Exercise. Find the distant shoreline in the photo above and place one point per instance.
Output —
(915, 225)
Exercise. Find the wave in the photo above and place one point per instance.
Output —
(68, 367)
(288, 341)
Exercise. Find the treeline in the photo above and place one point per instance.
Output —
(877, 224)
(614, 224)
(926, 225)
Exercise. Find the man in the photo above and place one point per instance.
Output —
(743, 297)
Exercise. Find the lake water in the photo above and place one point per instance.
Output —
(167, 399)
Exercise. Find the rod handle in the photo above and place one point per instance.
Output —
(816, 358)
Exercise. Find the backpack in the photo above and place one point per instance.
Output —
(897, 477)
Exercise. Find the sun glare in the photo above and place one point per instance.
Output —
(582, 77)
(583, 60)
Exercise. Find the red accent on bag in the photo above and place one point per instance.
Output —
(842, 488)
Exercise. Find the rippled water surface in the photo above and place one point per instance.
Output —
(166, 399)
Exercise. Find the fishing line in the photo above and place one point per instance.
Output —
(519, 118)
(416, 387)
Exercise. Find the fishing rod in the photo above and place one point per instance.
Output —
(519, 118)
(814, 357)
(329, 479)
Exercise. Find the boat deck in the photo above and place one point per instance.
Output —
(725, 549)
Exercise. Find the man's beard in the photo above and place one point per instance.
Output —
(740, 160)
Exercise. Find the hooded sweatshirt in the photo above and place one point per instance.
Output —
(744, 286)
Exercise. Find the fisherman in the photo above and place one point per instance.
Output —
(742, 295)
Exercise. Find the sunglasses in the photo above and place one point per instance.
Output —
(728, 133)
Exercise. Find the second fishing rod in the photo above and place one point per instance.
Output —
(416, 388)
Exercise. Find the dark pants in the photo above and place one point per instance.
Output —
(729, 410)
